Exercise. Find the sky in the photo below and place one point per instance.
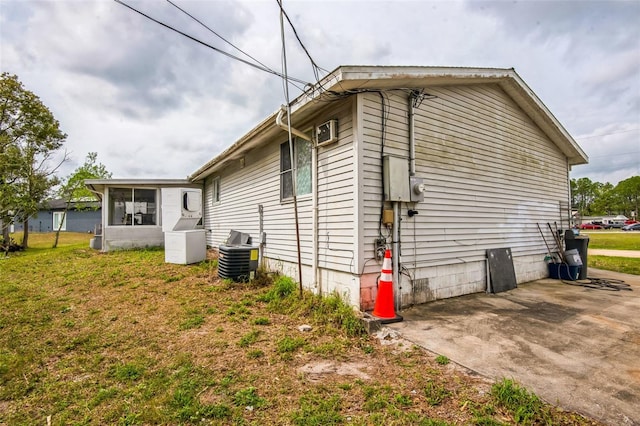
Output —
(155, 104)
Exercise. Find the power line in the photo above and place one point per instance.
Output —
(609, 134)
(295, 32)
(218, 35)
(261, 68)
(314, 65)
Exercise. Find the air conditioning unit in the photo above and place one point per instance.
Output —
(327, 132)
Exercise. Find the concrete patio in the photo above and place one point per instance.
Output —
(575, 347)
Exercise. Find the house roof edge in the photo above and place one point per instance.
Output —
(354, 78)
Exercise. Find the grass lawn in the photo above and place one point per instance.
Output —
(616, 240)
(124, 338)
(613, 240)
(626, 265)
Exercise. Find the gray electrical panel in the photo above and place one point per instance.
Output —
(396, 179)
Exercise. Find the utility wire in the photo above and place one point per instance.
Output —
(313, 63)
(218, 35)
(617, 154)
(608, 134)
(261, 68)
(316, 68)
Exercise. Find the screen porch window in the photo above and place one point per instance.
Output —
(300, 168)
(132, 207)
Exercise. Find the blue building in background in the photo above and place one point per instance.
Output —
(51, 213)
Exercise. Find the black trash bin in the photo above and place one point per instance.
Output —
(580, 243)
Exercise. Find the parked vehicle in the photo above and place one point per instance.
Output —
(630, 222)
(591, 226)
(631, 227)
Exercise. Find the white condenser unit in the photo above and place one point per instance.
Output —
(327, 132)
(181, 208)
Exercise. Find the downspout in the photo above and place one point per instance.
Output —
(570, 212)
(314, 179)
(412, 137)
(314, 218)
(396, 205)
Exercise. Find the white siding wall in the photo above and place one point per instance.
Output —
(242, 190)
(490, 173)
(258, 183)
(337, 195)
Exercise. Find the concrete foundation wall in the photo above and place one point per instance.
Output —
(329, 281)
(128, 237)
(446, 281)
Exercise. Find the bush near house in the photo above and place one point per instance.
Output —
(124, 338)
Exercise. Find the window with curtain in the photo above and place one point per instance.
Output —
(301, 165)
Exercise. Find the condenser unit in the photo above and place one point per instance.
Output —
(327, 132)
(237, 262)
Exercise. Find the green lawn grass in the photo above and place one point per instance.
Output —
(39, 241)
(626, 265)
(123, 338)
(619, 240)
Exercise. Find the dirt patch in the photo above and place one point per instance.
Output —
(319, 370)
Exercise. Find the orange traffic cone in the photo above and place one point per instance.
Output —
(383, 309)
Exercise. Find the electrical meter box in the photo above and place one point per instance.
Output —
(417, 189)
(396, 179)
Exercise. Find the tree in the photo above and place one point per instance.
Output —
(606, 200)
(9, 158)
(583, 192)
(629, 191)
(29, 137)
(73, 188)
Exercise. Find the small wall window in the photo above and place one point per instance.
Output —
(215, 190)
(302, 166)
(132, 206)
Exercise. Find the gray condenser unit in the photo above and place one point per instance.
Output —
(238, 262)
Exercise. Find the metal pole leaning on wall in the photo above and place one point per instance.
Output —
(395, 253)
(291, 151)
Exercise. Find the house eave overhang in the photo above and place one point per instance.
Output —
(353, 79)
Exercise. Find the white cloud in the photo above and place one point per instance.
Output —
(153, 103)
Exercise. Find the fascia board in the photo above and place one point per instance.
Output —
(354, 77)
